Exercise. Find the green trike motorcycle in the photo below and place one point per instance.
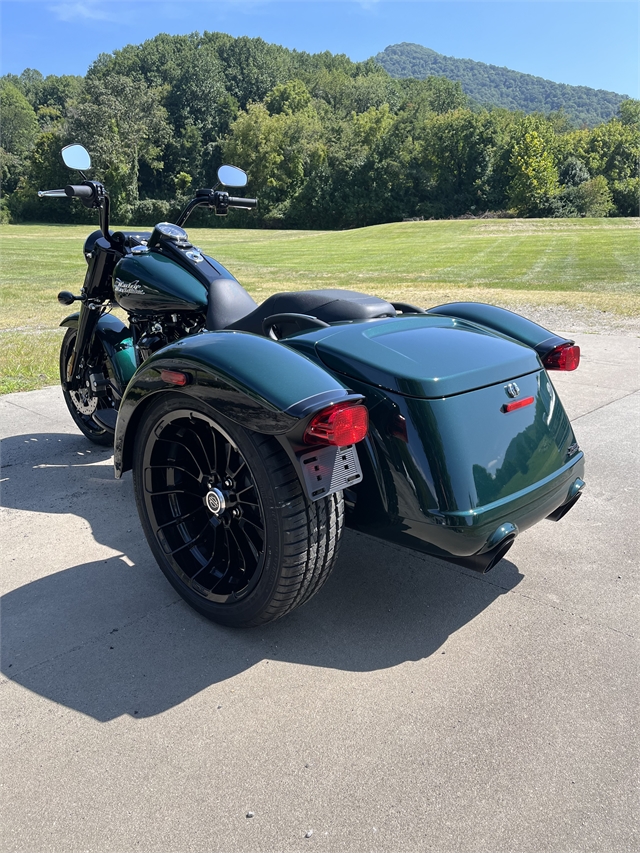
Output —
(256, 432)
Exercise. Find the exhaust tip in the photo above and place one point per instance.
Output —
(499, 552)
(559, 513)
(483, 563)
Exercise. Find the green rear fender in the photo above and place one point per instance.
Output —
(503, 321)
(260, 384)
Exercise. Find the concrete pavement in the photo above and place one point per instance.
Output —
(411, 706)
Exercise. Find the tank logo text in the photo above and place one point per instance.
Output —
(121, 286)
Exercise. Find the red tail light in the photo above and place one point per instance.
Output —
(564, 357)
(341, 424)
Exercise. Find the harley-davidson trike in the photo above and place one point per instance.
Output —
(255, 432)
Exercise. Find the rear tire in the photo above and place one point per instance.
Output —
(225, 515)
(83, 403)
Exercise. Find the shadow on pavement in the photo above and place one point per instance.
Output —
(110, 637)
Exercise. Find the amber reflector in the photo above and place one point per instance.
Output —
(174, 377)
(517, 404)
(341, 424)
(564, 357)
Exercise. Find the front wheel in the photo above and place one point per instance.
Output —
(82, 403)
(225, 515)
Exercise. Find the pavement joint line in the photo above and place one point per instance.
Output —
(92, 641)
(543, 603)
(27, 409)
(604, 405)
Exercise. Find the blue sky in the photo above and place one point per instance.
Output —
(579, 42)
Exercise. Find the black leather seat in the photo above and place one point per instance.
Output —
(329, 306)
(228, 302)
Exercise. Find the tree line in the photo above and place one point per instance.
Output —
(327, 143)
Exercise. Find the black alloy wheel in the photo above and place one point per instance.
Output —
(225, 515)
(82, 403)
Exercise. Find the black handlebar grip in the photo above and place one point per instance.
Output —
(242, 202)
(78, 191)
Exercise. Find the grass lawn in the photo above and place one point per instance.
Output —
(592, 263)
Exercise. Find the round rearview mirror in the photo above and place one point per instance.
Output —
(231, 176)
(76, 157)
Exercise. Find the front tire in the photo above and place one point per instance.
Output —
(225, 515)
(82, 403)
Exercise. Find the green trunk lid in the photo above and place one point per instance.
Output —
(424, 356)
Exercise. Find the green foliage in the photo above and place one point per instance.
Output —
(629, 113)
(573, 172)
(124, 125)
(593, 198)
(19, 123)
(327, 142)
(626, 196)
(5, 213)
(290, 97)
(278, 151)
(490, 85)
(534, 177)
(455, 155)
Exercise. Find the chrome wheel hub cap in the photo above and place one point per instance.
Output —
(215, 501)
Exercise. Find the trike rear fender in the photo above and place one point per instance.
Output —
(117, 343)
(505, 322)
(258, 383)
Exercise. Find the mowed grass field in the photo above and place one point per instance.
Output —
(569, 263)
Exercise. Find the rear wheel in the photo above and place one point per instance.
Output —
(226, 518)
(83, 403)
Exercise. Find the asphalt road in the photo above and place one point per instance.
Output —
(411, 706)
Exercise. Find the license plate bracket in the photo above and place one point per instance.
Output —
(329, 469)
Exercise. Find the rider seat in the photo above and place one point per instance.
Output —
(329, 306)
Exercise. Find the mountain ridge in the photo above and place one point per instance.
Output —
(499, 86)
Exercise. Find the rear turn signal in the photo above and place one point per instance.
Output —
(564, 357)
(341, 424)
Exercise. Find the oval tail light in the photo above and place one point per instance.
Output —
(340, 424)
(564, 357)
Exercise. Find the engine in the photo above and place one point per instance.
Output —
(152, 333)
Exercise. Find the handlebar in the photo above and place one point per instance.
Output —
(246, 203)
(51, 194)
(79, 191)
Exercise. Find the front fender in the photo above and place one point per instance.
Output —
(258, 383)
(117, 343)
(505, 322)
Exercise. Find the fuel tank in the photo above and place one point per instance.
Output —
(153, 283)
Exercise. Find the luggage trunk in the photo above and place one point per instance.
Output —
(469, 443)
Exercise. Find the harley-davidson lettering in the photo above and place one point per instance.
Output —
(121, 286)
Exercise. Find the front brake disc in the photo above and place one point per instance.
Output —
(84, 401)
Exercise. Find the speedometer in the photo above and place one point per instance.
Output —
(171, 231)
(168, 231)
